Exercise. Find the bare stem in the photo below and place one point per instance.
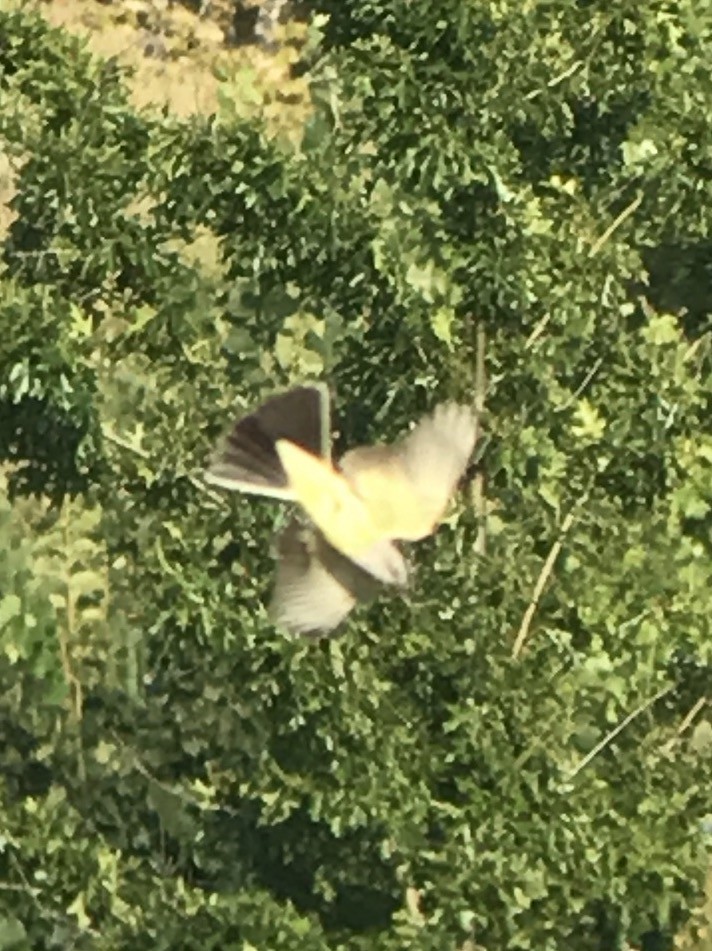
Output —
(478, 488)
(546, 570)
(626, 213)
(609, 737)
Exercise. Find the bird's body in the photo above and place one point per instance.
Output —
(330, 501)
(358, 510)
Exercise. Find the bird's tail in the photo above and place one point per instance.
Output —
(247, 460)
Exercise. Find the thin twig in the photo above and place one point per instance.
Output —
(478, 488)
(582, 386)
(206, 490)
(537, 332)
(695, 345)
(626, 213)
(546, 570)
(117, 440)
(577, 64)
(67, 626)
(11, 887)
(686, 723)
(609, 737)
(480, 371)
(535, 93)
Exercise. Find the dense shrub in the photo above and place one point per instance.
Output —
(515, 757)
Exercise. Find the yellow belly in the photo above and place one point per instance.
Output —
(329, 501)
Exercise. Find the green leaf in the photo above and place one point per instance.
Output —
(10, 607)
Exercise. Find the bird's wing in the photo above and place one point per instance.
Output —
(406, 486)
(316, 586)
(247, 460)
(436, 453)
(383, 561)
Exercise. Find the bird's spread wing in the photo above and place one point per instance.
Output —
(316, 586)
(406, 487)
(247, 459)
(436, 453)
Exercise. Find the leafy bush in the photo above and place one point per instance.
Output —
(518, 756)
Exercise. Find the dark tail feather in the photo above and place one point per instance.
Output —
(247, 459)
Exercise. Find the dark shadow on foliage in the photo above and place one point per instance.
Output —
(42, 443)
(589, 149)
(680, 278)
(228, 849)
(22, 774)
(655, 940)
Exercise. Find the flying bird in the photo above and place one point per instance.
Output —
(357, 511)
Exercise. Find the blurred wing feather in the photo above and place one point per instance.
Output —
(406, 486)
(315, 587)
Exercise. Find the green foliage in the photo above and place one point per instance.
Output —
(177, 774)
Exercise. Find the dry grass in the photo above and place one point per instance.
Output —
(179, 62)
(150, 44)
(179, 59)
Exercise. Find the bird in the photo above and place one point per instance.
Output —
(343, 546)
